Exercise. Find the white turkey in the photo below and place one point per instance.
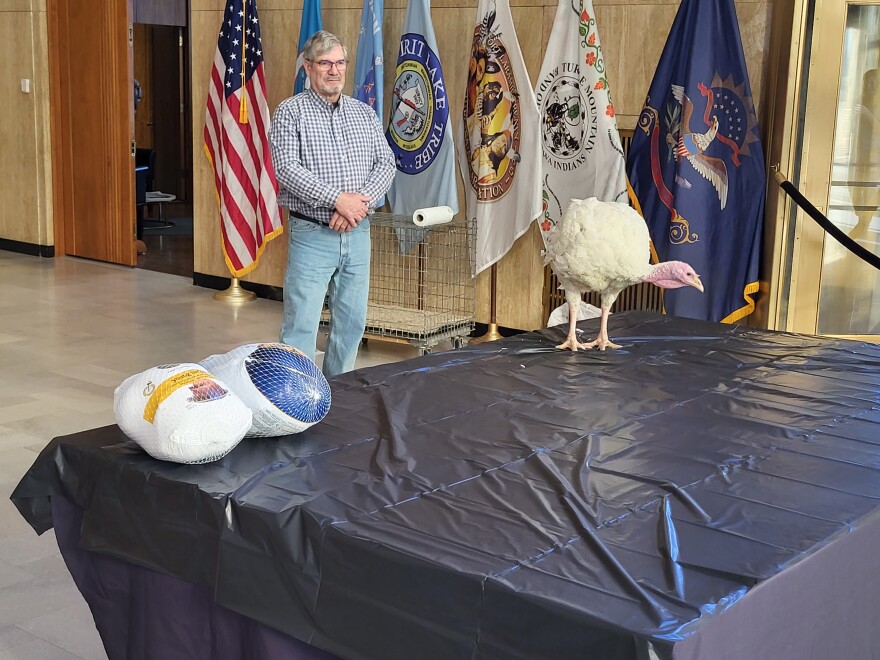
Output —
(605, 247)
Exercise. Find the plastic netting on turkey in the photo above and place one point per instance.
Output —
(284, 389)
(181, 413)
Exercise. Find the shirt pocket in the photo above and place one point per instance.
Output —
(359, 153)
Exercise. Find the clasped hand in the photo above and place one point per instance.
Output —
(351, 208)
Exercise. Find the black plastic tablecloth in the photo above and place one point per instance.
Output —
(509, 499)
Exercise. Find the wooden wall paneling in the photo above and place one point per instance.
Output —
(280, 30)
(43, 216)
(207, 254)
(20, 169)
(59, 80)
(755, 21)
(612, 25)
(641, 36)
(345, 23)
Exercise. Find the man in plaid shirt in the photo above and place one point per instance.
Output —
(333, 164)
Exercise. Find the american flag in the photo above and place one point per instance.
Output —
(236, 123)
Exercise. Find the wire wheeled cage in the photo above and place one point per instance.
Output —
(421, 285)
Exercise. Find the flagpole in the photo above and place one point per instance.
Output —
(235, 295)
(492, 333)
(244, 230)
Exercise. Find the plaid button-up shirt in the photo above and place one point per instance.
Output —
(320, 150)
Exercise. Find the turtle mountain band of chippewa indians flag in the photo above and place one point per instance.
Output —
(696, 165)
(419, 126)
(310, 23)
(499, 145)
(236, 122)
(583, 156)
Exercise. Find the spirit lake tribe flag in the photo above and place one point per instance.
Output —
(419, 126)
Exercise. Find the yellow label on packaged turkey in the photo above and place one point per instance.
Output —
(170, 385)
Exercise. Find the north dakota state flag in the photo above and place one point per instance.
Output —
(696, 163)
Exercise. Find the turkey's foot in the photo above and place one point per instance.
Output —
(572, 344)
(601, 343)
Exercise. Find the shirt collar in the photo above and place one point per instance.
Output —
(317, 99)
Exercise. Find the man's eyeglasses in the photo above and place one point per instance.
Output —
(326, 65)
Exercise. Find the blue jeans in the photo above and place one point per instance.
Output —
(321, 261)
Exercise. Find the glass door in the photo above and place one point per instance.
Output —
(833, 292)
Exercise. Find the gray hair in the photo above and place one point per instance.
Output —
(320, 43)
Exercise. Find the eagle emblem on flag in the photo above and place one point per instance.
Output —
(709, 131)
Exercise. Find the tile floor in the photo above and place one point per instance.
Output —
(70, 331)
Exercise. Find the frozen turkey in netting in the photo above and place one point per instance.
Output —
(181, 413)
(284, 389)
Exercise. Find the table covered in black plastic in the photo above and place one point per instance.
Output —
(707, 491)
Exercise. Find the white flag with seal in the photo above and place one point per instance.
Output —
(582, 153)
(499, 144)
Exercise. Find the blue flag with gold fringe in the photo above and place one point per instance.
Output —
(696, 164)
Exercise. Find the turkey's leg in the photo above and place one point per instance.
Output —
(571, 341)
(602, 341)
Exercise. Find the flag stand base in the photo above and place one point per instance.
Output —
(491, 335)
(235, 295)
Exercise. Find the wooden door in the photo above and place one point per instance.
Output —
(92, 129)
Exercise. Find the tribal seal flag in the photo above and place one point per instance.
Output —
(420, 110)
(419, 128)
(582, 153)
(499, 140)
(696, 164)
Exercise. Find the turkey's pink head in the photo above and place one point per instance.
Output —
(674, 275)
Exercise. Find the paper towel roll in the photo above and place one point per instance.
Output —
(433, 215)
